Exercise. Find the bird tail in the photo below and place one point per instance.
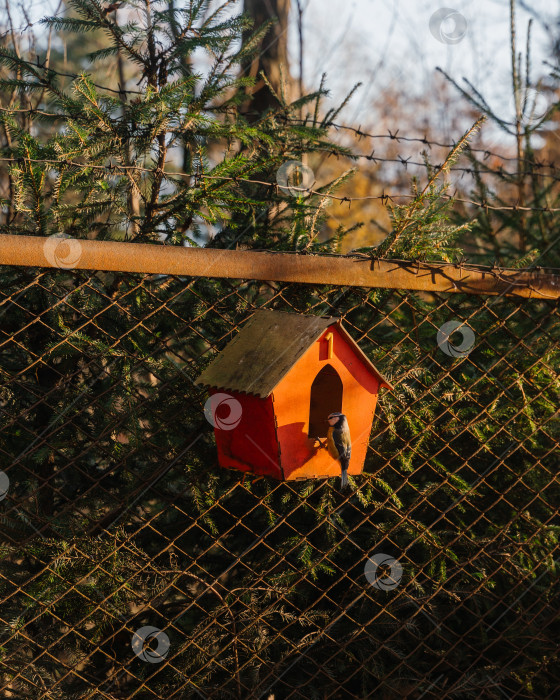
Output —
(344, 464)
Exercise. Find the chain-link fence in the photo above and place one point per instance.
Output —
(133, 566)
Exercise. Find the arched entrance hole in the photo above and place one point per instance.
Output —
(326, 397)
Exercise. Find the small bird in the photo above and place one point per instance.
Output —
(339, 444)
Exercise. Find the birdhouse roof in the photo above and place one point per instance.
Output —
(266, 348)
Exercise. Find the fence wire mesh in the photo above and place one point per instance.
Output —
(133, 566)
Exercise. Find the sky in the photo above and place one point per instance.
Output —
(388, 41)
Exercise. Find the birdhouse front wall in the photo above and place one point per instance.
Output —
(293, 401)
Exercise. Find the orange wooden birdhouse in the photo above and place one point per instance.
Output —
(272, 388)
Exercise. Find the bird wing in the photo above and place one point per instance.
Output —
(331, 446)
(342, 443)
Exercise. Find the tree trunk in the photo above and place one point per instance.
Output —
(272, 56)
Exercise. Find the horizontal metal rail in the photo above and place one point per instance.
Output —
(352, 271)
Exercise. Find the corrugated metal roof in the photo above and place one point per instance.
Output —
(265, 349)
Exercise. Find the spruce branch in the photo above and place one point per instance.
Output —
(427, 208)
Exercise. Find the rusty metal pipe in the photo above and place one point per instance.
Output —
(36, 251)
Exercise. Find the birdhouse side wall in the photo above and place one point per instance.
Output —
(301, 456)
(252, 444)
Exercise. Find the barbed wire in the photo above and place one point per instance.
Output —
(384, 197)
(487, 152)
(393, 136)
(498, 172)
(423, 140)
(400, 160)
